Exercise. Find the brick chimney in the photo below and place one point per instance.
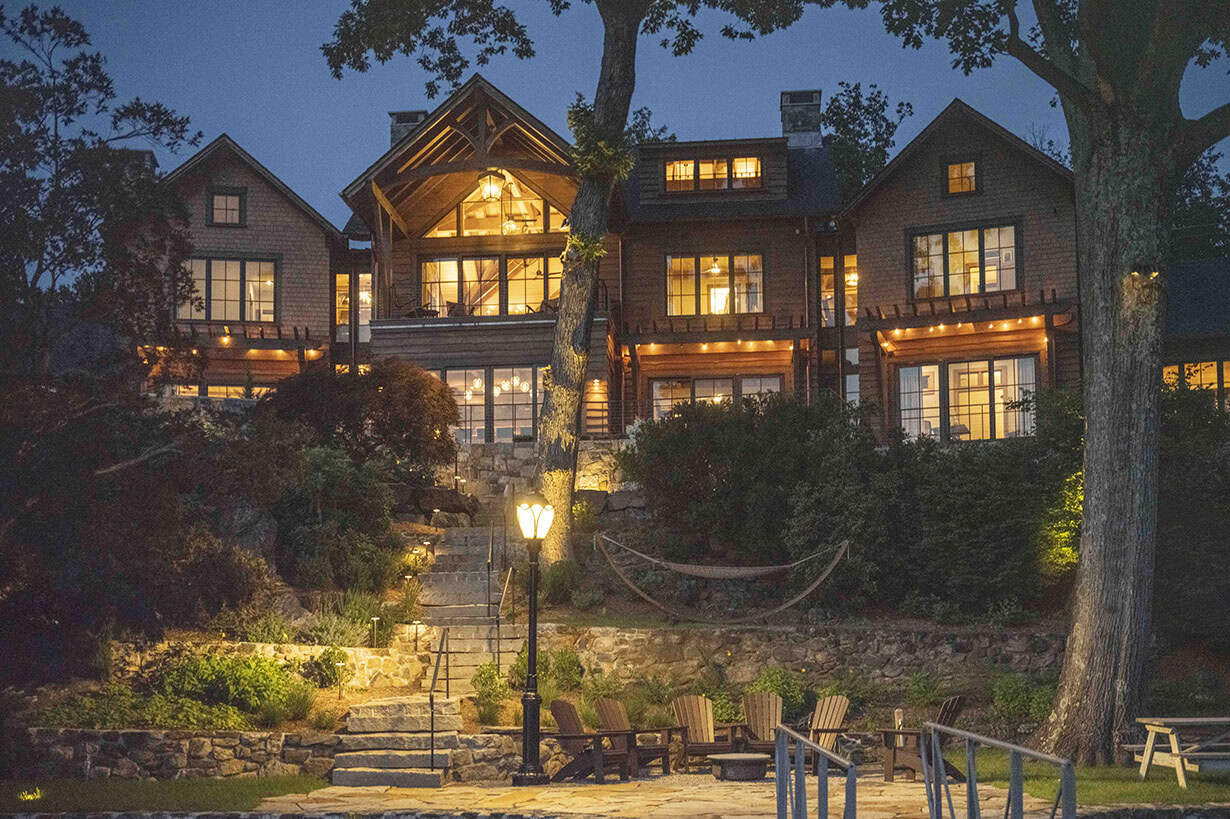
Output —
(801, 116)
(402, 123)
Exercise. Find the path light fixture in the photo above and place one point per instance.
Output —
(534, 516)
(374, 621)
(341, 677)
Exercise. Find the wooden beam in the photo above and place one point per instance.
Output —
(476, 165)
(392, 211)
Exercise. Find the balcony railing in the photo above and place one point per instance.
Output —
(413, 306)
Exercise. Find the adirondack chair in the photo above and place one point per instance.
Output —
(901, 751)
(826, 723)
(762, 713)
(701, 736)
(612, 716)
(586, 748)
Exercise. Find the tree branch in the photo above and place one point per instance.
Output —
(1063, 82)
(1199, 134)
(147, 455)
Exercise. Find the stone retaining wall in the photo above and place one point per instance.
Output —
(365, 667)
(489, 468)
(73, 753)
(883, 653)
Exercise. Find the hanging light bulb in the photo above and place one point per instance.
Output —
(478, 383)
(715, 268)
(490, 185)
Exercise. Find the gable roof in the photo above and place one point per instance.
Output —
(956, 108)
(433, 119)
(224, 142)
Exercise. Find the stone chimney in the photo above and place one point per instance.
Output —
(402, 123)
(801, 116)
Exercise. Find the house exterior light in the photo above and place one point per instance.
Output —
(490, 185)
(534, 517)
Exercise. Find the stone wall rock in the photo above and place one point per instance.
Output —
(490, 470)
(365, 667)
(78, 753)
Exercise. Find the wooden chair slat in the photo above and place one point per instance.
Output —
(763, 712)
(569, 721)
(827, 720)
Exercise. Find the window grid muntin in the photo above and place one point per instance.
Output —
(512, 398)
(668, 392)
(456, 280)
(981, 399)
(226, 294)
(935, 249)
(697, 293)
(961, 177)
(513, 414)
(707, 174)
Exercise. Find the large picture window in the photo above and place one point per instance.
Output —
(469, 388)
(515, 210)
(668, 393)
(1202, 375)
(512, 396)
(476, 286)
(714, 284)
(500, 404)
(712, 174)
(967, 400)
(231, 290)
(963, 262)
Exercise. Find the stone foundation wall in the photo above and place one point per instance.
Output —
(365, 667)
(883, 653)
(489, 468)
(70, 753)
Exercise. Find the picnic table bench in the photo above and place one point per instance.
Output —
(1210, 751)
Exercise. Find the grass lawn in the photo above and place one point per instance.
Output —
(1108, 785)
(60, 795)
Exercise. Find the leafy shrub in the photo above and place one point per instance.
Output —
(584, 516)
(120, 707)
(861, 691)
(726, 707)
(490, 690)
(1016, 698)
(300, 698)
(566, 670)
(323, 669)
(254, 625)
(784, 683)
(558, 581)
(333, 629)
(598, 686)
(248, 683)
(922, 690)
(586, 599)
(520, 667)
(325, 719)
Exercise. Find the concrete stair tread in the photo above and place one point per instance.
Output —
(388, 777)
(396, 741)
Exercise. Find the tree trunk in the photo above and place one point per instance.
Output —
(1124, 185)
(559, 429)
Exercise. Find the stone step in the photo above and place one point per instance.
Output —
(384, 758)
(388, 777)
(519, 631)
(403, 714)
(432, 610)
(396, 741)
(484, 645)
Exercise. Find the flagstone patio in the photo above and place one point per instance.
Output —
(697, 796)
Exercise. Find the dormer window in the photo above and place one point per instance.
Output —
(712, 174)
(961, 177)
(227, 207)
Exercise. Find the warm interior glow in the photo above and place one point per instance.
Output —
(535, 519)
(490, 185)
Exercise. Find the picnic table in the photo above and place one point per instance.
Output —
(1207, 747)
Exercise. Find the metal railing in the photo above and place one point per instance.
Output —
(499, 611)
(935, 777)
(792, 778)
(490, 561)
(441, 652)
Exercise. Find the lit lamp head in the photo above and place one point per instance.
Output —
(534, 516)
(490, 185)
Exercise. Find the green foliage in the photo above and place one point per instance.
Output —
(520, 667)
(323, 669)
(332, 629)
(254, 625)
(121, 707)
(559, 580)
(862, 133)
(1016, 698)
(248, 683)
(584, 516)
(325, 719)
(595, 153)
(566, 670)
(586, 599)
(859, 690)
(300, 698)
(922, 690)
(490, 690)
(784, 683)
(1060, 535)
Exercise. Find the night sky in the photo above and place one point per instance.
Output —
(255, 71)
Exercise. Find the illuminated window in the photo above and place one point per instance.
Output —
(186, 390)
(227, 208)
(525, 285)
(259, 287)
(512, 403)
(555, 279)
(828, 293)
(440, 285)
(852, 389)
(1201, 375)
(1013, 380)
(680, 175)
(341, 307)
(670, 393)
(245, 391)
(849, 273)
(446, 228)
(470, 392)
(745, 172)
(969, 401)
(1170, 375)
(713, 174)
(680, 286)
(919, 393)
(225, 283)
(482, 286)
(194, 308)
(754, 386)
(557, 221)
(516, 211)
(952, 263)
(365, 309)
(713, 390)
(714, 284)
(961, 177)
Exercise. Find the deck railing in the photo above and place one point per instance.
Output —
(792, 777)
(442, 653)
(936, 780)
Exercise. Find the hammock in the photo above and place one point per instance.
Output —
(714, 572)
(694, 570)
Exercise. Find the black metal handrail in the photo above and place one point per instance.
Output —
(441, 651)
(792, 779)
(490, 561)
(498, 612)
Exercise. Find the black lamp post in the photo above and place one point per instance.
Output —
(534, 515)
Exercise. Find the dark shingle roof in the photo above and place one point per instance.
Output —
(812, 190)
(1198, 299)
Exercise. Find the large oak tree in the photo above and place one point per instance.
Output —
(436, 32)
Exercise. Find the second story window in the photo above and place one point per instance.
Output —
(960, 178)
(712, 174)
(232, 290)
(714, 284)
(227, 208)
(490, 285)
(828, 289)
(964, 262)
